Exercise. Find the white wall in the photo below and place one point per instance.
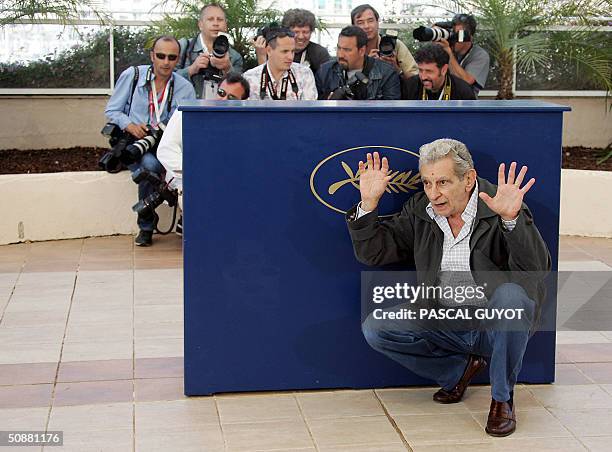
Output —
(68, 205)
(62, 122)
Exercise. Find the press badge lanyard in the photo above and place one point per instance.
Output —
(266, 83)
(303, 59)
(156, 105)
(444, 95)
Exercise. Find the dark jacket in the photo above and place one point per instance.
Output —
(190, 49)
(316, 55)
(460, 89)
(384, 81)
(411, 236)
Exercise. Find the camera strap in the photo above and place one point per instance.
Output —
(190, 45)
(267, 84)
(134, 83)
(444, 95)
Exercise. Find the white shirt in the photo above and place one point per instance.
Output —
(307, 88)
(170, 151)
(209, 87)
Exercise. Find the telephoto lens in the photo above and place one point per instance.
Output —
(220, 46)
(163, 193)
(136, 150)
(425, 34)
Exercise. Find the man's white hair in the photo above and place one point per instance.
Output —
(447, 147)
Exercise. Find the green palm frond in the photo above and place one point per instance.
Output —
(519, 27)
(66, 11)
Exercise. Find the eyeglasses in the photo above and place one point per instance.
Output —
(163, 56)
(222, 93)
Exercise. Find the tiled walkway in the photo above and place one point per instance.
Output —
(91, 338)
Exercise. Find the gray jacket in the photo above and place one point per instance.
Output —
(186, 59)
(412, 237)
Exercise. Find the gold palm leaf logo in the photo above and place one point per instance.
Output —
(400, 181)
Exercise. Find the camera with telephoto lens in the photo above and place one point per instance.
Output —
(442, 30)
(349, 90)
(125, 149)
(387, 43)
(119, 140)
(220, 48)
(162, 192)
(134, 151)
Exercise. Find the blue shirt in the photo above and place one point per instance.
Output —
(118, 109)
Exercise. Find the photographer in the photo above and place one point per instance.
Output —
(354, 75)
(170, 150)
(143, 100)
(206, 58)
(279, 78)
(301, 22)
(468, 61)
(434, 81)
(393, 51)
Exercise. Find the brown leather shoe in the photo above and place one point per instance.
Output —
(474, 365)
(502, 419)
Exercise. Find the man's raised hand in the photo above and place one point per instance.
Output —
(509, 197)
(373, 180)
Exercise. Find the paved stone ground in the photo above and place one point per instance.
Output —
(91, 336)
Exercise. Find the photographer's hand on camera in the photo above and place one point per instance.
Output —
(453, 65)
(260, 49)
(224, 64)
(392, 60)
(137, 130)
(201, 62)
(446, 46)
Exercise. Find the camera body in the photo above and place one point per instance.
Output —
(388, 43)
(125, 149)
(442, 30)
(219, 49)
(162, 192)
(348, 90)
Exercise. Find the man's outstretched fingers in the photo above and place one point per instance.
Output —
(376, 161)
(485, 197)
(528, 185)
(511, 173)
(521, 176)
(501, 174)
(385, 165)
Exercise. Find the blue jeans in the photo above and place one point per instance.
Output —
(442, 356)
(145, 188)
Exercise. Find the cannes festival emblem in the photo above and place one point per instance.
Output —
(402, 181)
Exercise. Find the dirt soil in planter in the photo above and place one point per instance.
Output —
(14, 161)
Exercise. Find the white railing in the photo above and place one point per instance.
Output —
(331, 23)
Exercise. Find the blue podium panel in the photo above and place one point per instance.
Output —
(272, 288)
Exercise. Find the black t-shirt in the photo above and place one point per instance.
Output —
(315, 54)
(460, 89)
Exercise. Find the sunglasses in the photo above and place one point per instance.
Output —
(279, 33)
(222, 93)
(163, 56)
